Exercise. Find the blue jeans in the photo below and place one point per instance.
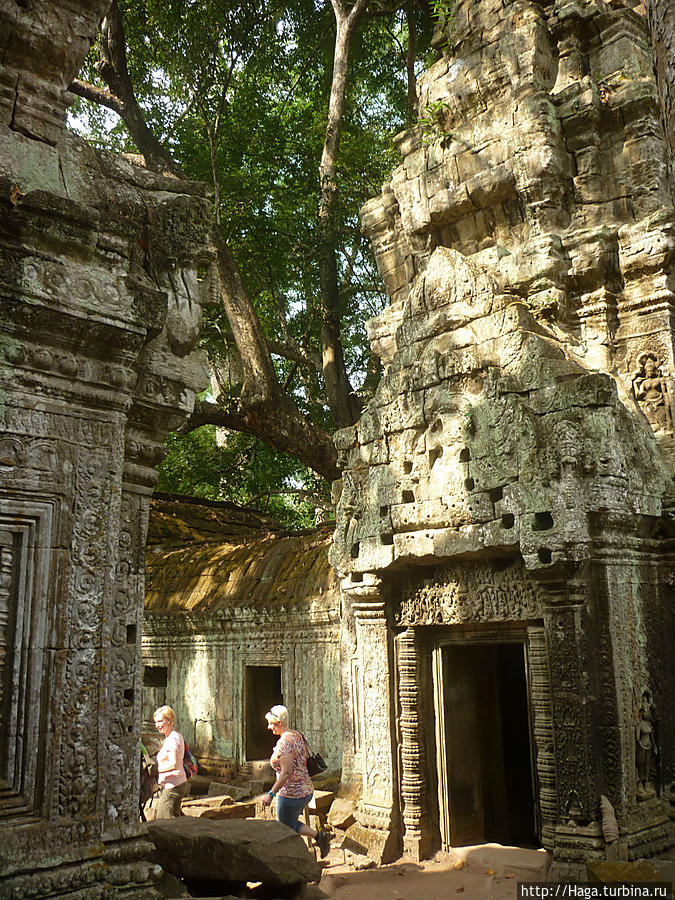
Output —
(289, 808)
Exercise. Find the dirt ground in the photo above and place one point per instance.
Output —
(486, 873)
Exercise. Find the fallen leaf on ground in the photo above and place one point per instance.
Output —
(460, 890)
(491, 871)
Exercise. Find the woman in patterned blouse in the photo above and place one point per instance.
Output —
(293, 788)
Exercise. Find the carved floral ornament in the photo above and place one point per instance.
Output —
(470, 593)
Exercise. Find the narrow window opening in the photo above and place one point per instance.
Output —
(434, 454)
(542, 521)
(155, 676)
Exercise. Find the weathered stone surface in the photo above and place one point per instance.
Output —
(242, 850)
(517, 458)
(606, 872)
(218, 807)
(558, 172)
(368, 842)
(100, 306)
(341, 814)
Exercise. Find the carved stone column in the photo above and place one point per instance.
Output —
(377, 827)
(542, 727)
(101, 308)
(416, 837)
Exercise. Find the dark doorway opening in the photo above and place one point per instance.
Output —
(262, 691)
(489, 780)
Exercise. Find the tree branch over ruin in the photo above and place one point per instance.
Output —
(262, 409)
(294, 354)
(113, 69)
(343, 401)
(275, 421)
(96, 95)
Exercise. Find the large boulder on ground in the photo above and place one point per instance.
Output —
(219, 807)
(235, 850)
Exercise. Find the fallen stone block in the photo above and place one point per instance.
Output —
(219, 808)
(215, 800)
(236, 790)
(341, 814)
(234, 851)
(234, 811)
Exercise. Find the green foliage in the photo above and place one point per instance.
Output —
(239, 94)
(444, 14)
(432, 123)
(243, 470)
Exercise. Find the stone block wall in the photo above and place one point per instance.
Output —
(522, 425)
(100, 305)
(221, 606)
(543, 157)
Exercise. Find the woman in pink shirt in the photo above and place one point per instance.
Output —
(170, 773)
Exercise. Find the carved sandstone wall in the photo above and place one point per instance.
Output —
(228, 589)
(521, 426)
(544, 159)
(100, 310)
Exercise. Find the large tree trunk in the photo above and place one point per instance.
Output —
(411, 56)
(661, 20)
(342, 400)
(277, 423)
(262, 409)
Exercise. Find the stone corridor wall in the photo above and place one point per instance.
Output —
(101, 305)
(217, 603)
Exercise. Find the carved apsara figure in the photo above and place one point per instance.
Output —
(651, 391)
(646, 748)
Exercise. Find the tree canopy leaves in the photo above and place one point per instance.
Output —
(238, 93)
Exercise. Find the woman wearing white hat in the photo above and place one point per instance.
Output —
(293, 787)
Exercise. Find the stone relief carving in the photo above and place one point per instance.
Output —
(646, 748)
(470, 593)
(651, 391)
(6, 605)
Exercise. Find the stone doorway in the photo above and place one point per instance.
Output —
(262, 687)
(486, 780)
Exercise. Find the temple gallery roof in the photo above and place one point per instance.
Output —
(204, 557)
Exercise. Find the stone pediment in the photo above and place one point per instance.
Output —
(486, 431)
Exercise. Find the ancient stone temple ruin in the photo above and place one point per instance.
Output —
(100, 313)
(239, 615)
(504, 534)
